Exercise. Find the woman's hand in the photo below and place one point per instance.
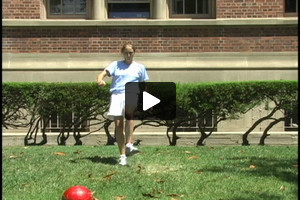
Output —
(100, 77)
(101, 82)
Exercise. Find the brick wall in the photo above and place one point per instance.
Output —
(198, 39)
(250, 8)
(34, 9)
(21, 9)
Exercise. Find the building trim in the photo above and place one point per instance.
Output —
(158, 69)
(150, 22)
(153, 61)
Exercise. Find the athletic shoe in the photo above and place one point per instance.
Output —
(130, 149)
(123, 160)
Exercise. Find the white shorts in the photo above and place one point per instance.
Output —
(117, 105)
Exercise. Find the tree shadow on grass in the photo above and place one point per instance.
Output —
(263, 167)
(282, 169)
(99, 159)
(270, 167)
(256, 195)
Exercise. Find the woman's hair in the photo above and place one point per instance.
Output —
(127, 45)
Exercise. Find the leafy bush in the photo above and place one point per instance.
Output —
(30, 103)
(228, 100)
(27, 104)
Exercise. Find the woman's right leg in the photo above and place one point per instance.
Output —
(120, 137)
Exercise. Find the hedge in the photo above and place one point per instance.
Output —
(228, 100)
(27, 104)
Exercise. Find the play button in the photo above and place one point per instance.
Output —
(149, 101)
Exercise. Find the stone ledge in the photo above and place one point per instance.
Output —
(153, 61)
(186, 139)
(151, 22)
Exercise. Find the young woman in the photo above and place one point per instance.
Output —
(123, 72)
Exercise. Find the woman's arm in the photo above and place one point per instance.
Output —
(100, 77)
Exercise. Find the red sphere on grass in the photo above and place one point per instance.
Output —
(78, 193)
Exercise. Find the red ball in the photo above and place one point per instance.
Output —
(78, 193)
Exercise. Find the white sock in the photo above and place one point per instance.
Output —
(123, 156)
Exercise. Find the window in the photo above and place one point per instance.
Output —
(192, 126)
(129, 9)
(57, 123)
(291, 7)
(192, 9)
(67, 8)
(291, 123)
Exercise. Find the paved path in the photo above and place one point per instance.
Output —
(160, 138)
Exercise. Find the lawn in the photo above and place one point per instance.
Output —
(158, 172)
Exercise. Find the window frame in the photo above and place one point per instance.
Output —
(50, 127)
(129, 1)
(211, 12)
(192, 125)
(290, 14)
(69, 16)
(291, 122)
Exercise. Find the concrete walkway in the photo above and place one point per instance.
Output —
(160, 138)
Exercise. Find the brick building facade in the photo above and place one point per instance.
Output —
(211, 40)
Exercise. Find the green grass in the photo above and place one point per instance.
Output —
(162, 172)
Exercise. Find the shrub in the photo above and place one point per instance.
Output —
(28, 104)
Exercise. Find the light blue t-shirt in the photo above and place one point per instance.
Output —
(123, 73)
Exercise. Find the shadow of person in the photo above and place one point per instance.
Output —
(103, 160)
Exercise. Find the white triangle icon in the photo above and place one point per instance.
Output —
(149, 101)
